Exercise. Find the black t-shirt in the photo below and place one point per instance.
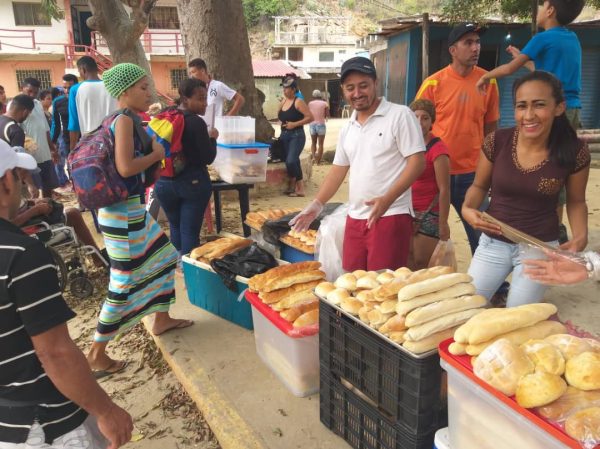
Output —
(199, 149)
(10, 132)
(30, 304)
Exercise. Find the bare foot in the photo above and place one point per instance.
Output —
(167, 324)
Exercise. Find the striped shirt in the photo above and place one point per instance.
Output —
(30, 304)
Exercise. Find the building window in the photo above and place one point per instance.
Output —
(326, 56)
(30, 14)
(42, 75)
(164, 18)
(177, 76)
(295, 54)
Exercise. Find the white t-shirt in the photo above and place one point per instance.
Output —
(36, 126)
(217, 93)
(376, 152)
(89, 103)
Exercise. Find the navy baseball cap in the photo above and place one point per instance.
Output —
(463, 28)
(358, 64)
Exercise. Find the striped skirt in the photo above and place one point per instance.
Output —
(142, 267)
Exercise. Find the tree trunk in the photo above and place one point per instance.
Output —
(215, 30)
(534, 10)
(122, 31)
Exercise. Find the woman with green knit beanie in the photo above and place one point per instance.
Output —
(142, 259)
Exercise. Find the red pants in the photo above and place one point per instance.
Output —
(385, 245)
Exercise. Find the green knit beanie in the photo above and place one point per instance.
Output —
(121, 77)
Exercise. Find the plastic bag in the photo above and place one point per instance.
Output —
(246, 262)
(330, 242)
(443, 255)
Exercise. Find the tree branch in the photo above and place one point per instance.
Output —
(140, 15)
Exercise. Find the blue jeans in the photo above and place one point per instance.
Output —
(459, 184)
(63, 152)
(493, 261)
(293, 144)
(184, 200)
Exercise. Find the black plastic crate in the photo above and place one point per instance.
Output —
(362, 426)
(406, 389)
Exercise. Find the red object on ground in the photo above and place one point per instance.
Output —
(273, 316)
(463, 364)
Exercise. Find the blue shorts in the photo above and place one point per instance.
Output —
(46, 178)
(317, 130)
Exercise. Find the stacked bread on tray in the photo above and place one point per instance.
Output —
(304, 240)
(520, 352)
(288, 289)
(416, 309)
(219, 248)
(257, 219)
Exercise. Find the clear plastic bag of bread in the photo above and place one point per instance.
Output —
(444, 255)
(552, 266)
(330, 242)
(584, 426)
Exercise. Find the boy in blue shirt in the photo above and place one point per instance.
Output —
(557, 50)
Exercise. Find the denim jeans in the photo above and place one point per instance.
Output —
(184, 200)
(59, 167)
(293, 144)
(493, 261)
(459, 184)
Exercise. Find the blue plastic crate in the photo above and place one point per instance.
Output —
(292, 255)
(206, 290)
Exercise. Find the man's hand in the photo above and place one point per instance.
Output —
(116, 425)
(380, 205)
(302, 221)
(213, 133)
(55, 157)
(482, 84)
(475, 219)
(42, 208)
(514, 51)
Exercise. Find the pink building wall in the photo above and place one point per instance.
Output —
(8, 68)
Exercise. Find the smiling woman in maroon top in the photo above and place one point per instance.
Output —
(525, 168)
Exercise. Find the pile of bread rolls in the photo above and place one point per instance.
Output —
(257, 219)
(219, 248)
(288, 289)
(304, 241)
(416, 309)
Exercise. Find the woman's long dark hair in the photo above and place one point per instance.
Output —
(562, 142)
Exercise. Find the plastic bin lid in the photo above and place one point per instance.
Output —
(273, 316)
(234, 146)
(462, 363)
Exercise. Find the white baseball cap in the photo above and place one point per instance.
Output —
(9, 159)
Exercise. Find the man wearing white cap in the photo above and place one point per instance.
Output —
(320, 111)
(48, 396)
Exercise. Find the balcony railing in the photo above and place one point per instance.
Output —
(161, 42)
(19, 40)
(319, 37)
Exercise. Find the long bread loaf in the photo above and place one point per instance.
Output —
(291, 279)
(432, 285)
(462, 333)
(442, 323)
(295, 299)
(441, 308)
(255, 283)
(429, 343)
(463, 289)
(278, 295)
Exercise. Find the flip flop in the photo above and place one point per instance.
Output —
(115, 367)
(288, 192)
(181, 325)
(296, 194)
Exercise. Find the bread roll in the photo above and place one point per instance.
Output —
(432, 285)
(367, 282)
(441, 308)
(502, 365)
(372, 274)
(428, 273)
(377, 318)
(539, 388)
(509, 320)
(295, 300)
(390, 290)
(583, 371)
(346, 281)
(351, 305)
(385, 277)
(395, 324)
(403, 273)
(569, 345)
(570, 402)
(323, 289)
(595, 344)
(388, 306)
(537, 331)
(545, 356)
(307, 319)
(278, 295)
(456, 348)
(337, 296)
(584, 425)
(359, 273)
(397, 337)
(439, 324)
(256, 282)
(365, 296)
(293, 313)
(458, 290)
(429, 343)
(363, 312)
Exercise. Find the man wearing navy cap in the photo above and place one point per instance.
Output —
(382, 147)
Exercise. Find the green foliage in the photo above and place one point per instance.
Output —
(255, 10)
(52, 10)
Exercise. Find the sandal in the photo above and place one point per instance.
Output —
(296, 194)
(115, 367)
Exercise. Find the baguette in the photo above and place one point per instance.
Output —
(199, 252)
(462, 289)
(438, 309)
(440, 324)
(428, 273)
(288, 281)
(307, 319)
(538, 331)
(255, 283)
(509, 320)
(462, 333)
(232, 246)
(278, 295)
(432, 285)
(395, 324)
(429, 343)
(295, 300)
(293, 313)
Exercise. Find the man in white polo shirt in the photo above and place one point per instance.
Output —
(382, 147)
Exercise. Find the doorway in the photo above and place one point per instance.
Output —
(82, 34)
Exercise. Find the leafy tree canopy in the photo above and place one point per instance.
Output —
(254, 10)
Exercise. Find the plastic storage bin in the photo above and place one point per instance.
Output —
(348, 415)
(442, 439)
(207, 291)
(293, 359)
(235, 129)
(405, 389)
(292, 255)
(238, 164)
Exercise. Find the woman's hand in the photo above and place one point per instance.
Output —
(213, 133)
(158, 151)
(289, 125)
(444, 231)
(556, 270)
(475, 219)
(573, 245)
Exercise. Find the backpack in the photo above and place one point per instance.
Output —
(168, 127)
(93, 171)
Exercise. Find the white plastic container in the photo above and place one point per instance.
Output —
(235, 130)
(238, 164)
(442, 439)
(295, 361)
(478, 420)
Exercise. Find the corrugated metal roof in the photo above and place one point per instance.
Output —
(275, 69)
